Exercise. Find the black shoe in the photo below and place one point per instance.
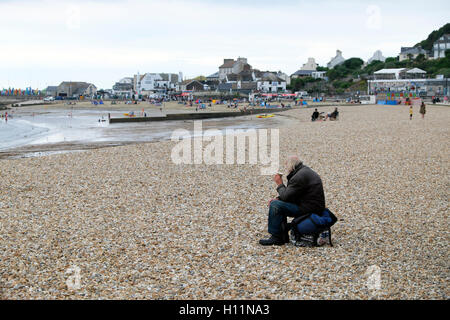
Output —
(272, 241)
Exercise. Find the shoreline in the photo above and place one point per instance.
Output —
(31, 151)
(46, 149)
(200, 115)
(84, 132)
(283, 119)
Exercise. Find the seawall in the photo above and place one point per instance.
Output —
(198, 115)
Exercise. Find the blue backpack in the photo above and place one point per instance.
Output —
(323, 224)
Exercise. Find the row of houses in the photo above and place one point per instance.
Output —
(232, 76)
(239, 76)
(250, 81)
(309, 69)
(437, 51)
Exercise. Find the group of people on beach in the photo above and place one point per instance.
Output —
(303, 199)
(316, 116)
(5, 116)
(422, 111)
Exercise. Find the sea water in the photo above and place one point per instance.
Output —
(34, 128)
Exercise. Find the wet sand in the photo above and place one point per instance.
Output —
(50, 130)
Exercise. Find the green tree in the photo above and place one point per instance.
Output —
(433, 37)
(353, 63)
(392, 59)
(445, 72)
(334, 74)
(420, 58)
(297, 84)
(373, 66)
(390, 65)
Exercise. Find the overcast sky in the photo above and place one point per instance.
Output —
(46, 42)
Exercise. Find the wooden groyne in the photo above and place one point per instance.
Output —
(198, 115)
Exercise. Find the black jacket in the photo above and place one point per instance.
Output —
(315, 115)
(305, 189)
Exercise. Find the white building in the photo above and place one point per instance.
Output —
(226, 68)
(271, 86)
(391, 74)
(318, 74)
(157, 81)
(284, 76)
(270, 82)
(377, 56)
(440, 46)
(308, 70)
(240, 65)
(337, 60)
(421, 86)
(416, 73)
(124, 86)
(310, 65)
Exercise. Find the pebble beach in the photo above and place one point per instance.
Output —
(137, 226)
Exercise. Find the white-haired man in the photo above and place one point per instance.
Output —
(302, 195)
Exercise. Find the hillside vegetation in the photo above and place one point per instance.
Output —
(352, 75)
(435, 35)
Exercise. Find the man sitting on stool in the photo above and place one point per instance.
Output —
(303, 195)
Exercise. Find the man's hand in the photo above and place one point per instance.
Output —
(278, 179)
(271, 201)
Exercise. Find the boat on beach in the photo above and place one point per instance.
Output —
(265, 116)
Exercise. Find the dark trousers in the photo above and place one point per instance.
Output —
(278, 213)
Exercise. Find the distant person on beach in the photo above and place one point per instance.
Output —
(302, 195)
(423, 110)
(333, 115)
(315, 115)
(410, 112)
